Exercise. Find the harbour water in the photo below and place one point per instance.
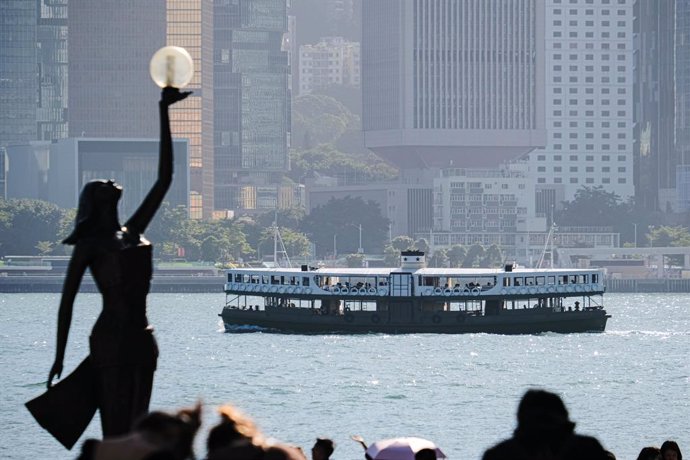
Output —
(629, 386)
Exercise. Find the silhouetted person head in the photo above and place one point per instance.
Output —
(97, 211)
(155, 435)
(649, 453)
(174, 432)
(542, 419)
(425, 454)
(670, 451)
(322, 449)
(234, 429)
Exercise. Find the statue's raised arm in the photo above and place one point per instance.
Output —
(141, 218)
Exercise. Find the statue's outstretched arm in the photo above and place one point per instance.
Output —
(75, 272)
(147, 209)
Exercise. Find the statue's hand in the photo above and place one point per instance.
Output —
(55, 371)
(170, 95)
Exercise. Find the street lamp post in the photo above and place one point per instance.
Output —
(335, 247)
(635, 226)
(360, 249)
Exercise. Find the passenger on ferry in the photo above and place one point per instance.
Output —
(577, 306)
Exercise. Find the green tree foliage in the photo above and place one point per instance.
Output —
(321, 119)
(391, 256)
(439, 258)
(25, 223)
(456, 255)
(402, 243)
(422, 245)
(326, 160)
(355, 260)
(342, 217)
(493, 257)
(667, 236)
(474, 255)
(594, 206)
(289, 218)
(297, 244)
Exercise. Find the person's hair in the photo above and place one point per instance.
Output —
(649, 453)
(425, 454)
(671, 445)
(177, 430)
(325, 444)
(233, 425)
(539, 406)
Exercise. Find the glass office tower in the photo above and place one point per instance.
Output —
(251, 105)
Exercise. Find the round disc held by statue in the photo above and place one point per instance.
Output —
(171, 66)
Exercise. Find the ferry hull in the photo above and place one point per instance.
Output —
(508, 322)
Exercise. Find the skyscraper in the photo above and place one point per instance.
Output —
(654, 150)
(110, 45)
(51, 111)
(450, 82)
(190, 25)
(18, 76)
(251, 105)
(589, 99)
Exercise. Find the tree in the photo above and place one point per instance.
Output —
(290, 218)
(474, 256)
(391, 256)
(340, 219)
(439, 258)
(402, 243)
(355, 260)
(493, 257)
(667, 236)
(24, 223)
(594, 206)
(422, 245)
(456, 254)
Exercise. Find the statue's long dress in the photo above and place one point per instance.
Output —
(123, 349)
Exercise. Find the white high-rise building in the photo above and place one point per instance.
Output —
(589, 98)
(450, 83)
(332, 61)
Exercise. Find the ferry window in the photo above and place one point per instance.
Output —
(264, 279)
(585, 279)
(551, 280)
(517, 281)
(563, 279)
(506, 281)
(594, 279)
(238, 278)
(529, 280)
(275, 280)
(540, 280)
(305, 281)
(229, 277)
(573, 279)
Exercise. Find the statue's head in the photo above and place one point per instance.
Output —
(97, 211)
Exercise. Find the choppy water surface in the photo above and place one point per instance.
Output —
(628, 386)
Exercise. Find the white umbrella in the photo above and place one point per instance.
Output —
(401, 449)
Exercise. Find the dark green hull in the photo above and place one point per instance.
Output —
(309, 321)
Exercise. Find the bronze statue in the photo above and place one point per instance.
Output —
(123, 352)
